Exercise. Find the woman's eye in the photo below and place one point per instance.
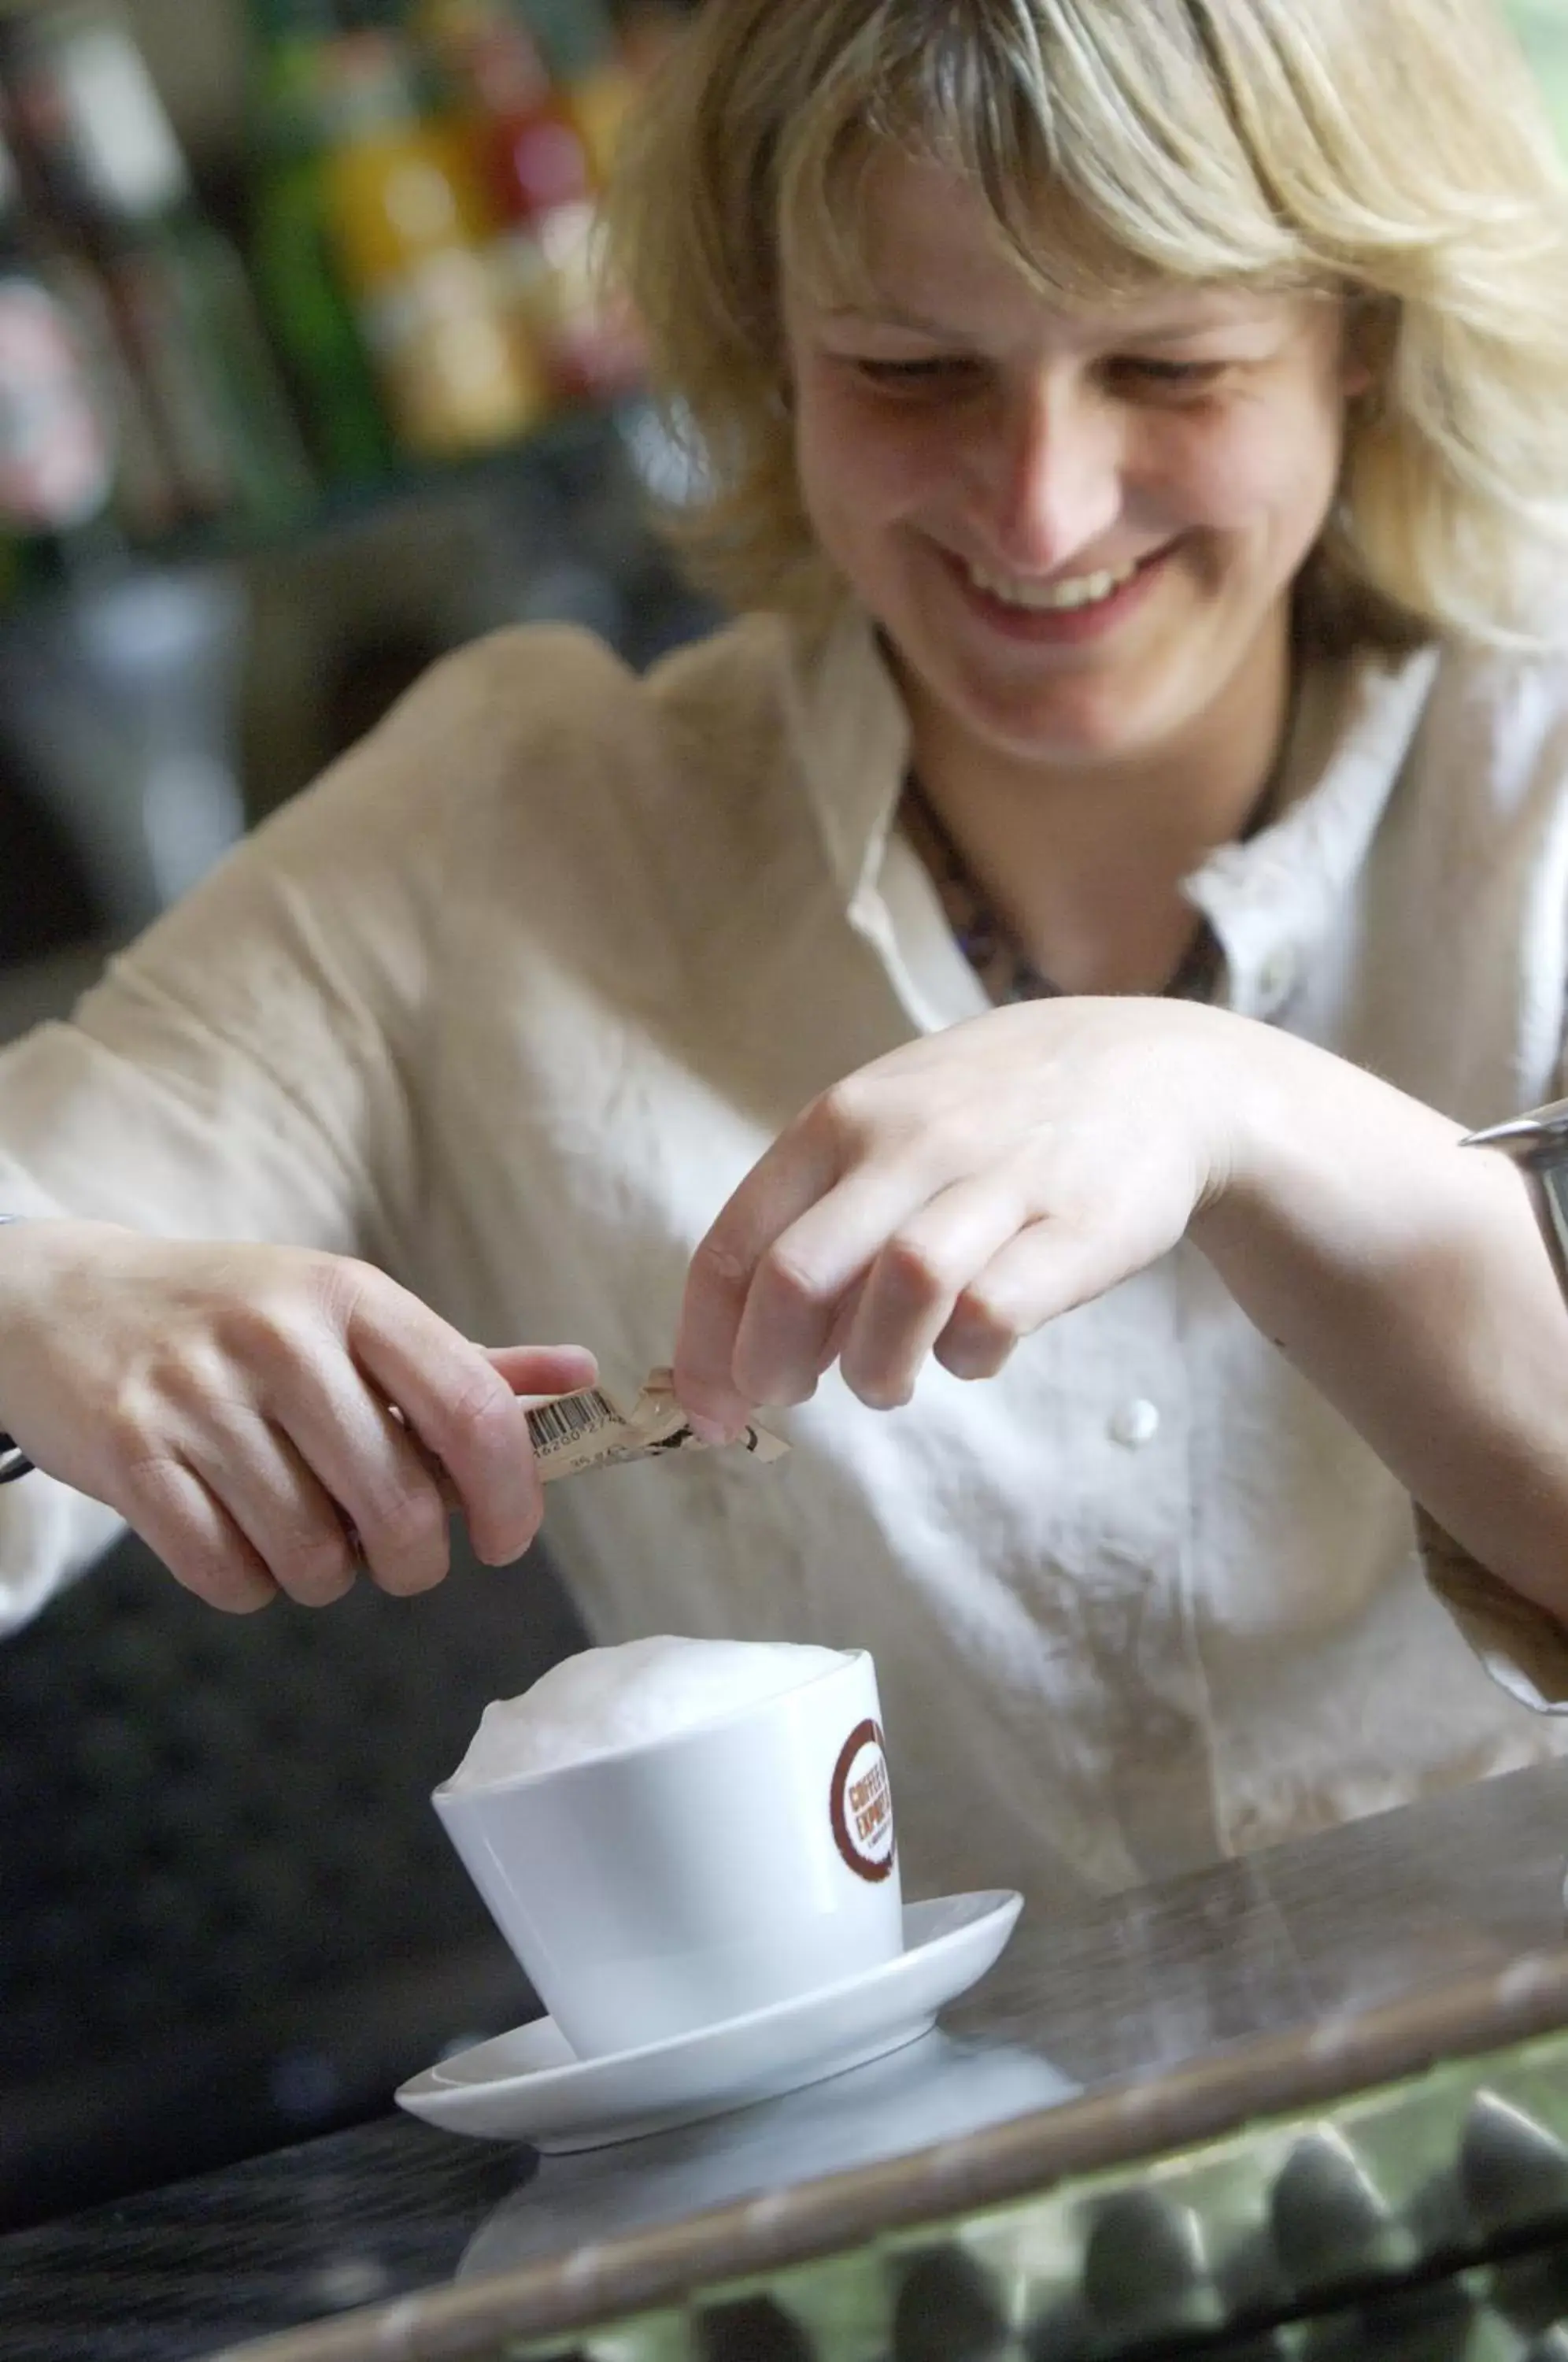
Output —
(1171, 377)
(938, 373)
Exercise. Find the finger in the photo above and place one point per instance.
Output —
(843, 1322)
(461, 1407)
(544, 1370)
(1051, 1267)
(368, 1464)
(292, 1522)
(910, 1294)
(802, 1280)
(792, 1175)
(181, 1520)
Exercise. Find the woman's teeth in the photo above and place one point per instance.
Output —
(1052, 597)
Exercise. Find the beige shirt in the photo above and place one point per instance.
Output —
(516, 997)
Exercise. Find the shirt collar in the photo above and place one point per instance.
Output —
(855, 736)
(1273, 900)
(1278, 893)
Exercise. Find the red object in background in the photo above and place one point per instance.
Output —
(539, 178)
(533, 155)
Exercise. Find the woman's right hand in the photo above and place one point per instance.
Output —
(267, 1418)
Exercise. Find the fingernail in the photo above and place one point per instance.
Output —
(709, 1430)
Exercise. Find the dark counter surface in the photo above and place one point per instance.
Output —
(1154, 2017)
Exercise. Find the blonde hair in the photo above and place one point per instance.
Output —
(1397, 150)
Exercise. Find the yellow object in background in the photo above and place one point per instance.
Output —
(411, 230)
(532, 164)
(600, 102)
(606, 87)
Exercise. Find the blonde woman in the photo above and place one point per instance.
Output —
(1057, 939)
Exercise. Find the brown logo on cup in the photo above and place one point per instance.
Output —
(861, 1805)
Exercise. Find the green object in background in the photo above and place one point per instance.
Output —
(193, 279)
(1543, 27)
(295, 273)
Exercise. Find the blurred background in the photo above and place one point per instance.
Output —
(304, 377)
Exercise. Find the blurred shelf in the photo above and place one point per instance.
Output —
(576, 455)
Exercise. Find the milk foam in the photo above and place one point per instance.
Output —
(605, 1699)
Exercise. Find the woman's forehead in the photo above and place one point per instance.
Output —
(895, 231)
(922, 249)
(1068, 185)
(1164, 311)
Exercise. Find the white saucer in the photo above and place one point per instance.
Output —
(528, 2085)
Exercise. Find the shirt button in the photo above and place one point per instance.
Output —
(1134, 1424)
(1277, 978)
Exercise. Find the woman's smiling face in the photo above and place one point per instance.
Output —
(1077, 529)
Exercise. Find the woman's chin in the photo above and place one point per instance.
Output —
(1088, 730)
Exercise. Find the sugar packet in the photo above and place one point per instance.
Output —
(590, 1429)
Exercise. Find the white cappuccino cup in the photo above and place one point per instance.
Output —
(735, 1851)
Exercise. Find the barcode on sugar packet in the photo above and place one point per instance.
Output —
(590, 1430)
(570, 1423)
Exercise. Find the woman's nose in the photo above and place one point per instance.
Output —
(1052, 475)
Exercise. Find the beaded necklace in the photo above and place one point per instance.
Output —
(992, 950)
(988, 943)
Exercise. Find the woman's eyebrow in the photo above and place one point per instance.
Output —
(1157, 324)
(1146, 328)
(887, 315)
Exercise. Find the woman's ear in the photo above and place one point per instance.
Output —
(1371, 329)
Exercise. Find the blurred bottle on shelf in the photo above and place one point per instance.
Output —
(411, 229)
(147, 497)
(57, 439)
(103, 163)
(537, 172)
(585, 56)
(297, 275)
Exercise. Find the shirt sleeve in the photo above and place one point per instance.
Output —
(243, 1071)
(1523, 1647)
(1521, 715)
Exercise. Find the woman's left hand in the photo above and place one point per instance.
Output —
(956, 1194)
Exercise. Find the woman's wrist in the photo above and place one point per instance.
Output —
(17, 1310)
(1405, 1278)
(1318, 1157)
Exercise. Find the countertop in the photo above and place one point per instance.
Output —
(1148, 2020)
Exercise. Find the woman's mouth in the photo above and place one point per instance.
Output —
(1070, 609)
(1054, 598)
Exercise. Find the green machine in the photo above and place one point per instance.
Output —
(1425, 2221)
